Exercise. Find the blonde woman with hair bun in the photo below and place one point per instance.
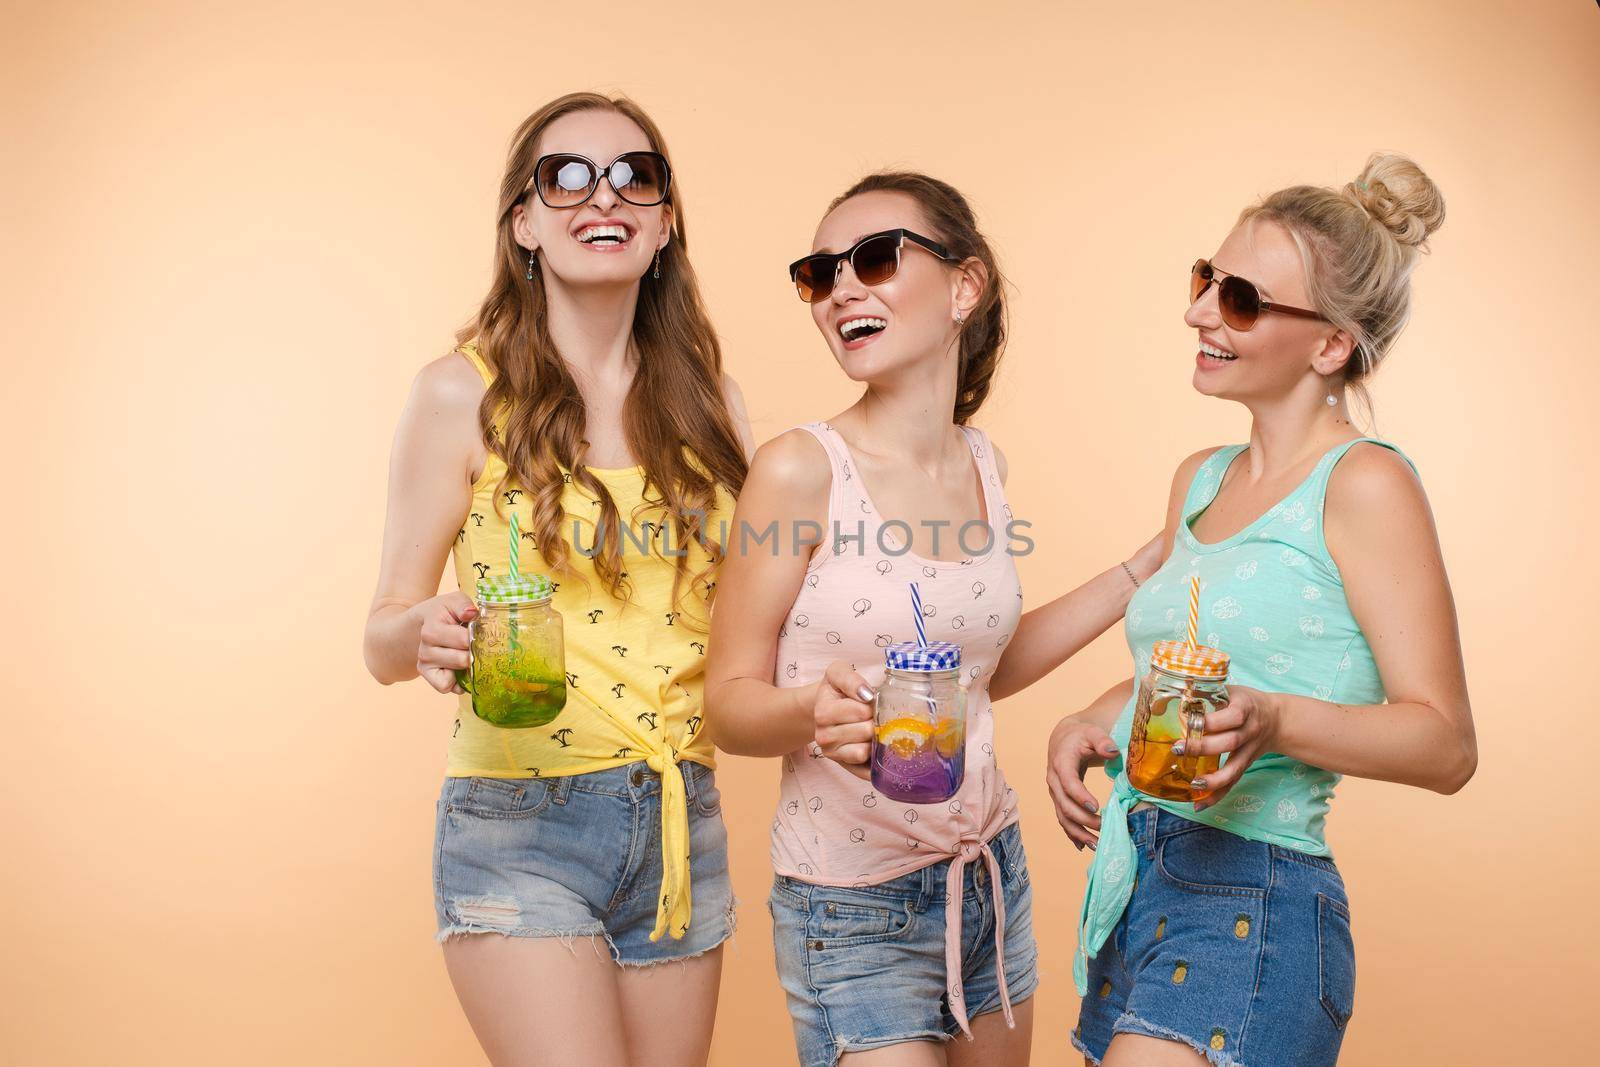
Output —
(1359, 262)
(1218, 929)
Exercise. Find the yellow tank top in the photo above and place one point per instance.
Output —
(635, 670)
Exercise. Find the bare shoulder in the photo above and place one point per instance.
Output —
(1377, 482)
(792, 462)
(449, 385)
(438, 430)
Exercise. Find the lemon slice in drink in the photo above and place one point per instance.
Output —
(905, 736)
(947, 737)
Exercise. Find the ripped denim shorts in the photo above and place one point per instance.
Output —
(1240, 950)
(578, 856)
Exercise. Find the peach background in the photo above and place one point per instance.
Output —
(233, 235)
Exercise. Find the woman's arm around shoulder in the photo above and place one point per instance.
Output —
(1049, 635)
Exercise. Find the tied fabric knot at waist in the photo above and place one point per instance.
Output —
(966, 852)
(673, 913)
(1110, 879)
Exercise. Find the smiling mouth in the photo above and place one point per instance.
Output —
(856, 329)
(604, 236)
(1217, 354)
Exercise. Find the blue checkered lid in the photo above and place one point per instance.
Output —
(933, 656)
(514, 589)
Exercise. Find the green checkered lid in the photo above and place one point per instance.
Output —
(514, 589)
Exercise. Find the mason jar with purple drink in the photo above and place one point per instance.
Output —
(919, 739)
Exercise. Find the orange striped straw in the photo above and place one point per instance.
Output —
(1194, 610)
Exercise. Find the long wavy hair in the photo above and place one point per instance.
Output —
(675, 415)
(955, 224)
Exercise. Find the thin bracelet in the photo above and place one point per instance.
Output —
(1126, 570)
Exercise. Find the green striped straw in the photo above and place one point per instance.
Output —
(516, 538)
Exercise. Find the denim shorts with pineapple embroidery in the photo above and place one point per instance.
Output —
(1240, 950)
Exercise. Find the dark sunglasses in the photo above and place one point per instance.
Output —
(567, 180)
(1239, 300)
(874, 259)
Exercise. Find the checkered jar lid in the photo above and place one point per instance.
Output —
(933, 656)
(514, 589)
(1177, 657)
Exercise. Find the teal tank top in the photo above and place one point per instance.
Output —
(1271, 597)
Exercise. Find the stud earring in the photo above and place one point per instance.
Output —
(531, 265)
(657, 272)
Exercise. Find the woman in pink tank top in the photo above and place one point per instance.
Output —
(894, 922)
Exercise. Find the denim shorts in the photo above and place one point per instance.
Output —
(578, 856)
(864, 967)
(1238, 949)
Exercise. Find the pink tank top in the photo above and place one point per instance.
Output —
(832, 828)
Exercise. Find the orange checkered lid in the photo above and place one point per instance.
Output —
(1198, 661)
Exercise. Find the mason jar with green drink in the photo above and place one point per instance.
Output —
(517, 676)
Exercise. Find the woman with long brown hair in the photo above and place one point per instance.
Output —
(586, 409)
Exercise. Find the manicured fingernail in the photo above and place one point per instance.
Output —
(865, 693)
(1177, 748)
(1198, 783)
(1094, 809)
(1091, 848)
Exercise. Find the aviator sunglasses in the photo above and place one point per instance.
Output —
(874, 259)
(1239, 300)
(567, 180)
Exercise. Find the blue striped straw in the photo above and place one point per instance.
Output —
(916, 611)
(922, 642)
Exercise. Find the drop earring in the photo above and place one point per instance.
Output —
(657, 272)
(961, 319)
(1333, 401)
(530, 266)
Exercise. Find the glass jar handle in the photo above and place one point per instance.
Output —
(464, 677)
(1194, 723)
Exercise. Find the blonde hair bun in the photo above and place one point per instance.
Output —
(1400, 197)
(1358, 275)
